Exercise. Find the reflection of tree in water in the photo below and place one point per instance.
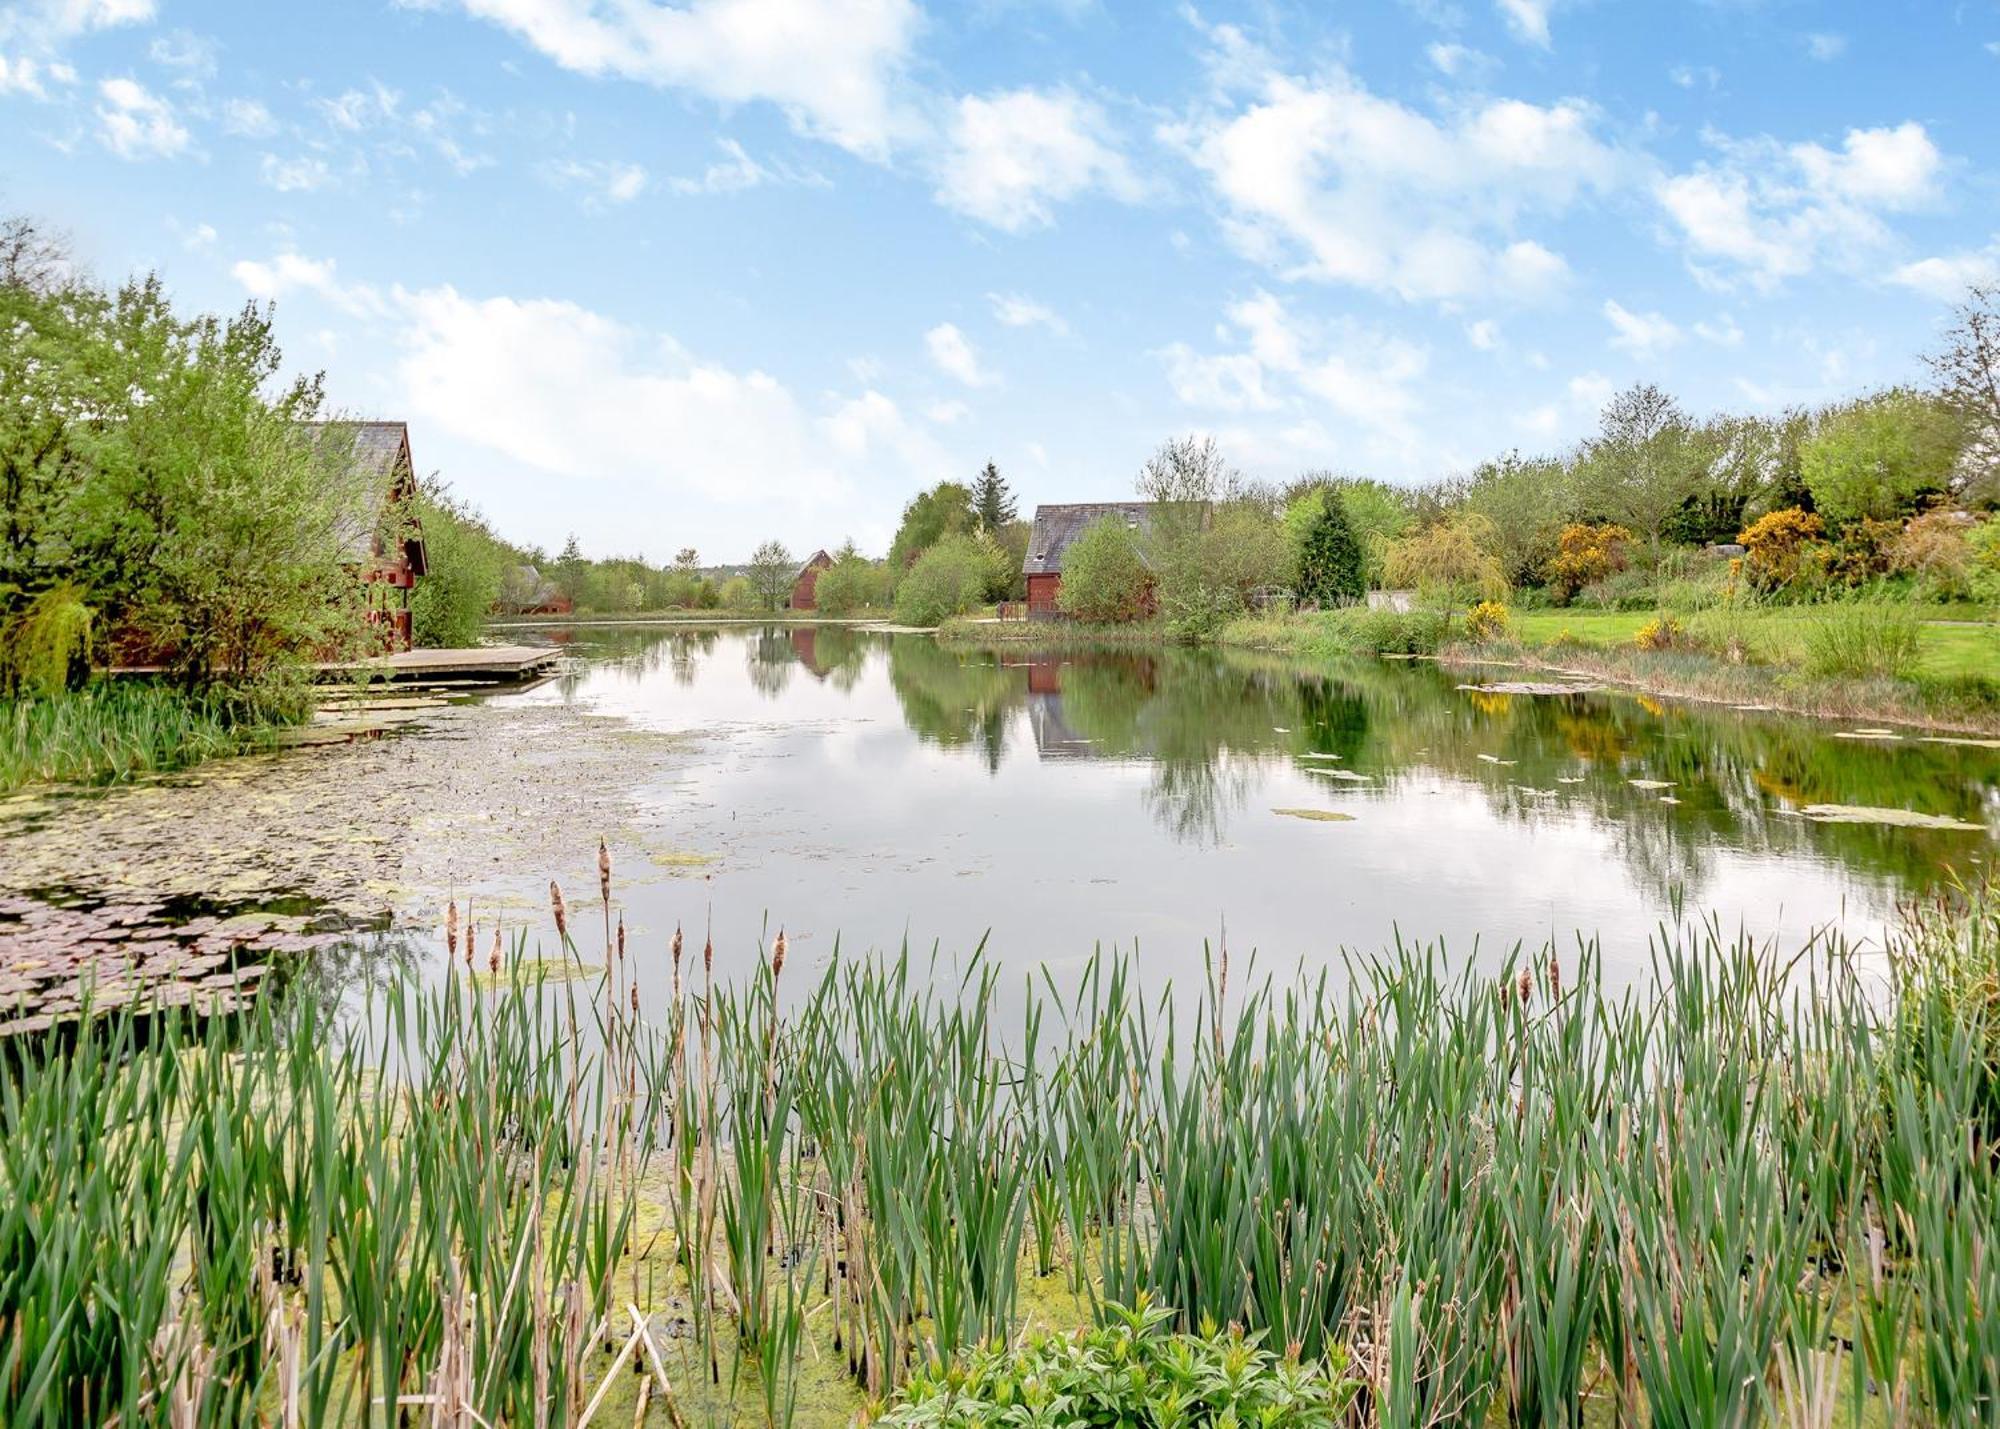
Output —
(769, 655)
(834, 653)
(955, 699)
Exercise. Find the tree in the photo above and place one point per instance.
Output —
(1184, 480)
(571, 570)
(1330, 565)
(1104, 577)
(32, 259)
(1527, 500)
(992, 503)
(466, 568)
(687, 561)
(1967, 368)
(1644, 464)
(1449, 562)
(772, 569)
(1878, 457)
(944, 510)
(948, 579)
(852, 582)
(1587, 552)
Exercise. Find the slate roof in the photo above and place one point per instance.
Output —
(1056, 526)
(820, 561)
(376, 462)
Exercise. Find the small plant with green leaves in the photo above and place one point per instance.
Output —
(1132, 1369)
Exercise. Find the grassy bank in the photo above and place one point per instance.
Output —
(118, 729)
(1760, 1189)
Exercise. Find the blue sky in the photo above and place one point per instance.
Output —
(708, 272)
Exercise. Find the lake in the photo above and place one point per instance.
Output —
(882, 789)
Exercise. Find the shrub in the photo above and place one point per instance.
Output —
(1662, 633)
(1104, 579)
(1878, 457)
(47, 649)
(948, 579)
(1775, 545)
(1862, 638)
(1487, 621)
(1934, 550)
(1862, 553)
(738, 594)
(1586, 552)
(851, 583)
(1982, 553)
(1132, 1371)
(1451, 561)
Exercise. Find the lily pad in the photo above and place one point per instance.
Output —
(1894, 818)
(1651, 783)
(1496, 759)
(1320, 816)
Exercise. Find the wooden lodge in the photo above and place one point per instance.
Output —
(805, 584)
(381, 538)
(1055, 528)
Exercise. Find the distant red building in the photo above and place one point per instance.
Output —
(806, 583)
(1054, 529)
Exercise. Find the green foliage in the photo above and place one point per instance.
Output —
(46, 649)
(1104, 578)
(948, 579)
(1132, 1370)
(771, 573)
(1854, 639)
(738, 594)
(468, 568)
(851, 583)
(116, 730)
(945, 510)
(1525, 502)
(1878, 457)
(1330, 563)
(992, 502)
(1449, 563)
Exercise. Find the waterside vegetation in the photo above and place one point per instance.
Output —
(1757, 1188)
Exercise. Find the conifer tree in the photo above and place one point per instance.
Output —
(1330, 567)
(992, 502)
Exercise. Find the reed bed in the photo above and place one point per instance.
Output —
(1760, 1191)
(111, 731)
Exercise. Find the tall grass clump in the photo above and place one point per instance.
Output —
(1862, 638)
(114, 730)
(1753, 1188)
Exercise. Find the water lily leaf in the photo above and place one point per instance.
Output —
(1651, 783)
(1895, 818)
(1321, 816)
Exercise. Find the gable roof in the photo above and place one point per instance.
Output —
(1057, 526)
(820, 561)
(375, 463)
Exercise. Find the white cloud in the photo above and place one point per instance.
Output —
(1947, 276)
(1282, 363)
(1328, 180)
(1011, 156)
(1723, 332)
(186, 51)
(1543, 421)
(248, 118)
(1695, 76)
(289, 273)
(1528, 19)
(1591, 390)
(135, 123)
(1825, 47)
(1775, 211)
(1019, 310)
(1459, 61)
(572, 394)
(955, 356)
(945, 413)
(49, 22)
(831, 65)
(305, 173)
(1484, 334)
(21, 75)
(1641, 334)
(606, 180)
(737, 171)
(354, 110)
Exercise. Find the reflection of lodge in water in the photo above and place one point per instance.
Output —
(1054, 739)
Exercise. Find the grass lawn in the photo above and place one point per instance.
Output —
(1950, 648)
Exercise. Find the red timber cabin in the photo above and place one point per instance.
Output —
(1054, 529)
(380, 537)
(806, 584)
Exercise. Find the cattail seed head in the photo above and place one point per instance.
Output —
(1555, 977)
(1526, 987)
(621, 937)
(451, 928)
(635, 999)
(603, 871)
(493, 958)
(561, 909)
(708, 955)
(778, 956)
(677, 947)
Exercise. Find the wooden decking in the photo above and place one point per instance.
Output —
(481, 663)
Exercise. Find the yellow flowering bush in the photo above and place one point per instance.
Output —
(1487, 620)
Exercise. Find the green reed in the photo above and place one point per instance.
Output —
(1756, 1189)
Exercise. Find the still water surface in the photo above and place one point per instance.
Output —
(883, 789)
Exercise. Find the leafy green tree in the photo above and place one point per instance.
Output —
(1104, 576)
(467, 565)
(737, 593)
(1184, 480)
(1877, 458)
(949, 579)
(944, 510)
(1330, 563)
(1967, 368)
(992, 502)
(851, 583)
(571, 571)
(1450, 562)
(1644, 465)
(1527, 501)
(771, 572)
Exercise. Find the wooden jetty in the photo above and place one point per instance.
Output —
(477, 664)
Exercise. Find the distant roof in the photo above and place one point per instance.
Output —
(820, 560)
(1057, 526)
